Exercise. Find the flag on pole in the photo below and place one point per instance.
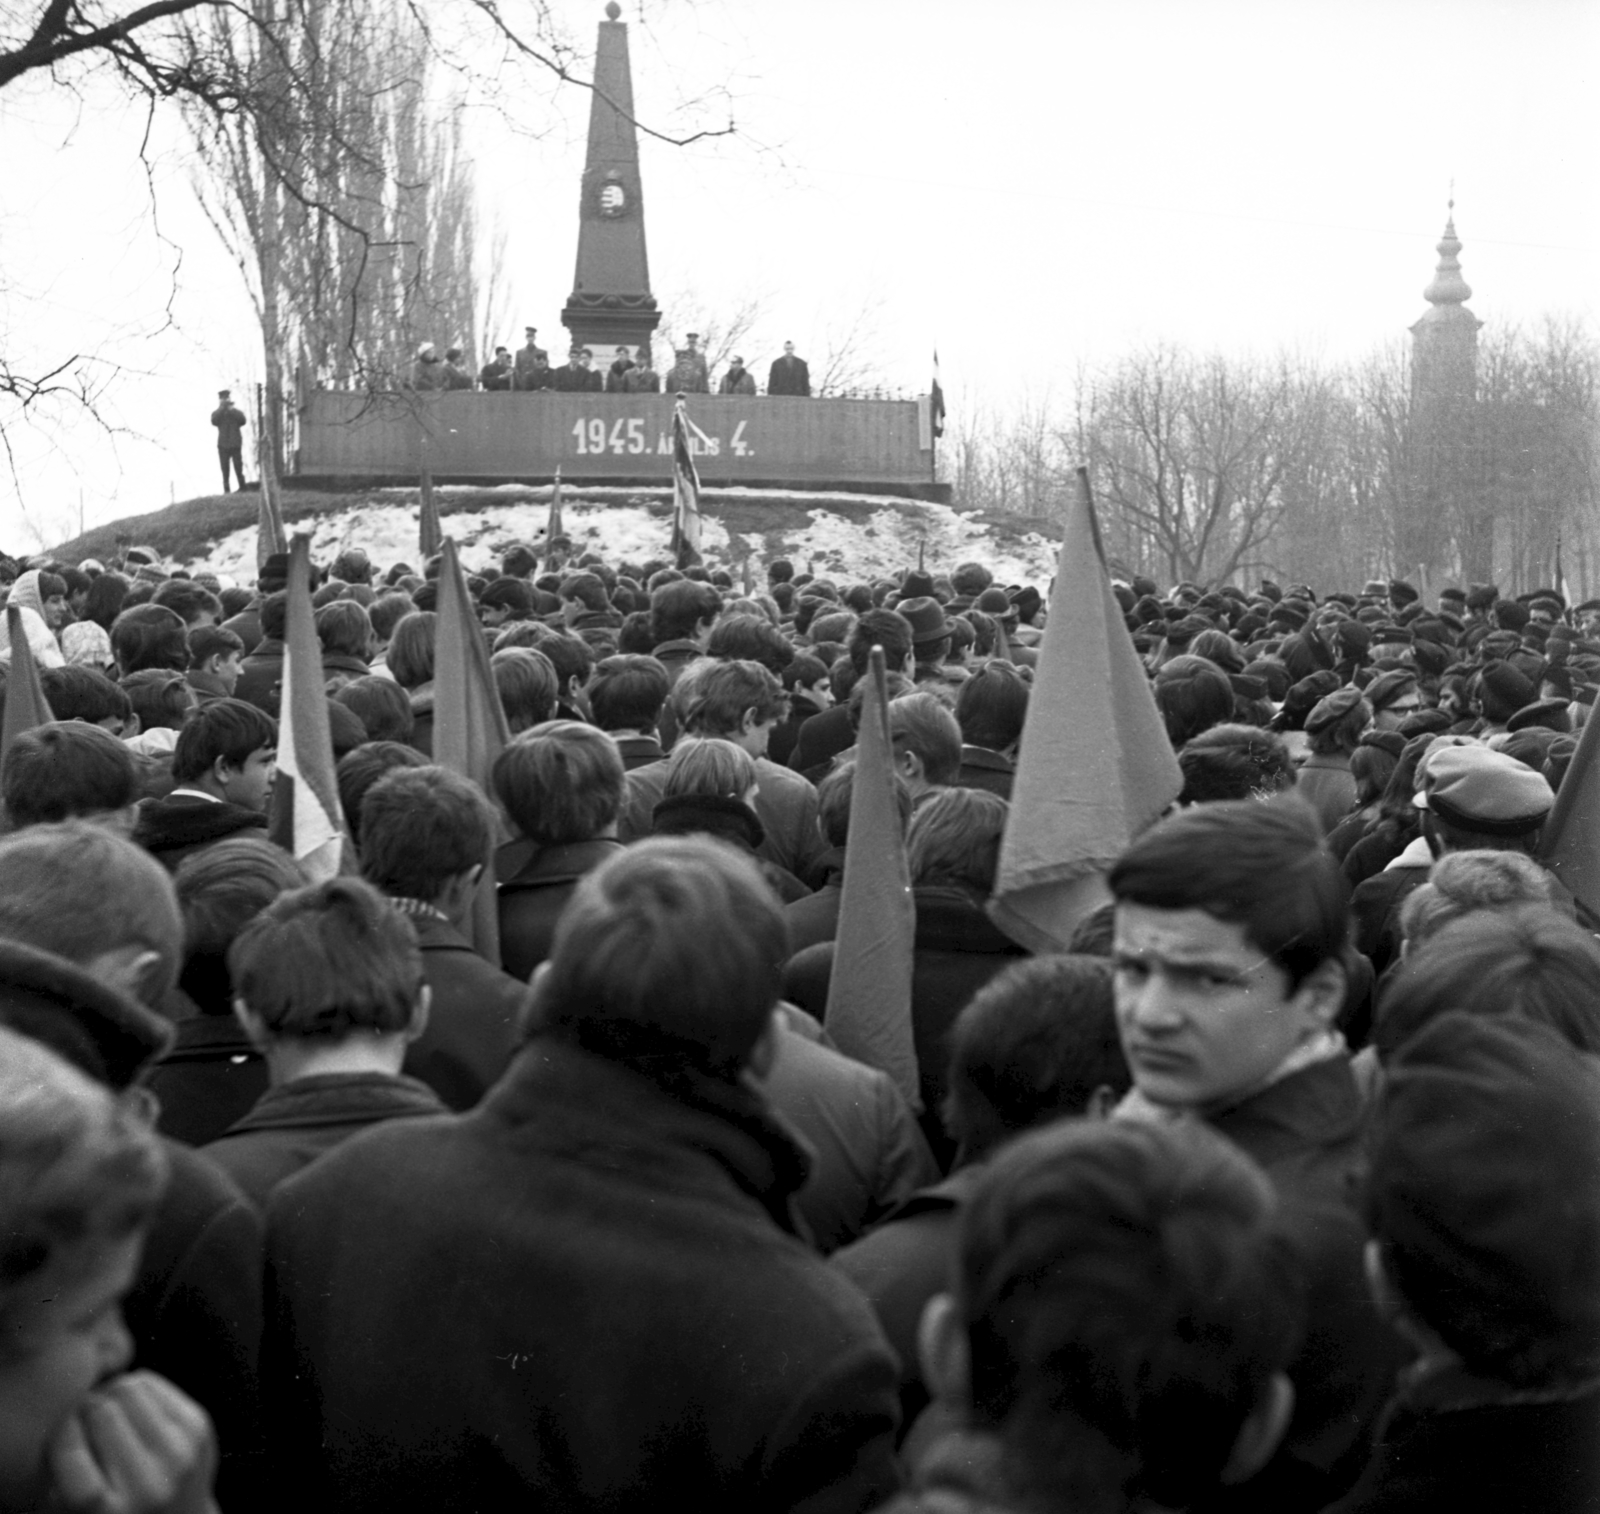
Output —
(469, 724)
(685, 492)
(1095, 766)
(869, 989)
(1562, 587)
(554, 526)
(936, 399)
(26, 706)
(747, 576)
(1570, 845)
(1002, 642)
(430, 536)
(306, 819)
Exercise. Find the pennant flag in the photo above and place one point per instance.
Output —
(685, 492)
(869, 989)
(306, 819)
(430, 536)
(936, 398)
(554, 526)
(922, 555)
(1570, 846)
(1562, 587)
(747, 575)
(1002, 642)
(1095, 766)
(469, 724)
(26, 706)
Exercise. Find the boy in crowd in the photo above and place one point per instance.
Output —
(222, 766)
(216, 656)
(329, 986)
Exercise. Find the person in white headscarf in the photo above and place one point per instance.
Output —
(25, 596)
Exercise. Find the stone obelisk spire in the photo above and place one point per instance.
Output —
(611, 303)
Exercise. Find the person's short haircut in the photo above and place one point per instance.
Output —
(880, 628)
(160, 697)
(561, 782)
(79, 693)
(150, 636)
(627, 692)
(750, 638)
(420, 827)
(381, 705)
(588, 591)
(526, 680)
(713, 697)
(571, 656)
(1460, 882)
(512, 594)
(1234, 762)
(362, 767)
(1529, 962)
(1127, 1298)
(833, 801)
(411, 647)
(221, 728)
(1258, 865)
(79, 891)
(78, 1169)
(329, 960)
(954, 838)
(64, 771)
(1035, 1043)
(922, 723)
(345, 629)
(678, 608)
(1193, 695)
(804, 672)
(224, 885)
(274, 614)
(710, 767)
(992, 705)
(668, 953)
(386, 612)
(187, 600)
(212, 641)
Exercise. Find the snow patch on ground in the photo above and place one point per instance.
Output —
(620, 525)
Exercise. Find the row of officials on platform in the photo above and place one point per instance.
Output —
(630, 372)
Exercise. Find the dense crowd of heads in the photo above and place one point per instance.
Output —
(1305, 1123)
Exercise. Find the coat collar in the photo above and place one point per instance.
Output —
(346, 1098)
(709, 815)
(605, 1111)
(560, 864)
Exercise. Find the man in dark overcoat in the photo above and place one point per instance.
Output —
(588, 1294)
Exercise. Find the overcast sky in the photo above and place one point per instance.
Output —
(1030, 186)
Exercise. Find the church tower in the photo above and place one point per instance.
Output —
(1445, 499)
(611, 304)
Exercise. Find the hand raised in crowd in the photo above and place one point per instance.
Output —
(137, 1445)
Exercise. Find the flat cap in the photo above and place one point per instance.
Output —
(1332, 708)
(1478, 790)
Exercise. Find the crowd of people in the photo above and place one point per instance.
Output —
(1279, 1191)
(631, 371)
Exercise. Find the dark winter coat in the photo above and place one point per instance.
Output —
(294, 1124)
(820, 740)
(533, 897)
(581, 1296)
(261, 677)
(789, 375)
(171, 829)
(868, 1154)
(1452, 1442)
(473, 1018)
(729, 820)
(210, 1078)
(983, 769)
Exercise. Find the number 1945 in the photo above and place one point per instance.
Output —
(626, 436)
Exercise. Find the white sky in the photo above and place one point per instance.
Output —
(1031, 186)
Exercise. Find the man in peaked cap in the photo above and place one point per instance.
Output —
(1485, 1216)
(1472, 799)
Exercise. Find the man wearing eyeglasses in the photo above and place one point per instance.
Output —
(1229, 975)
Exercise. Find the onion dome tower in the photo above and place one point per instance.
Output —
(611, 304)
(1444, 343)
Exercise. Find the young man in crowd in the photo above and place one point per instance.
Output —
(1230, 927)
(329, 986)
(222, 768)
(575, 1232)
(426, 835)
